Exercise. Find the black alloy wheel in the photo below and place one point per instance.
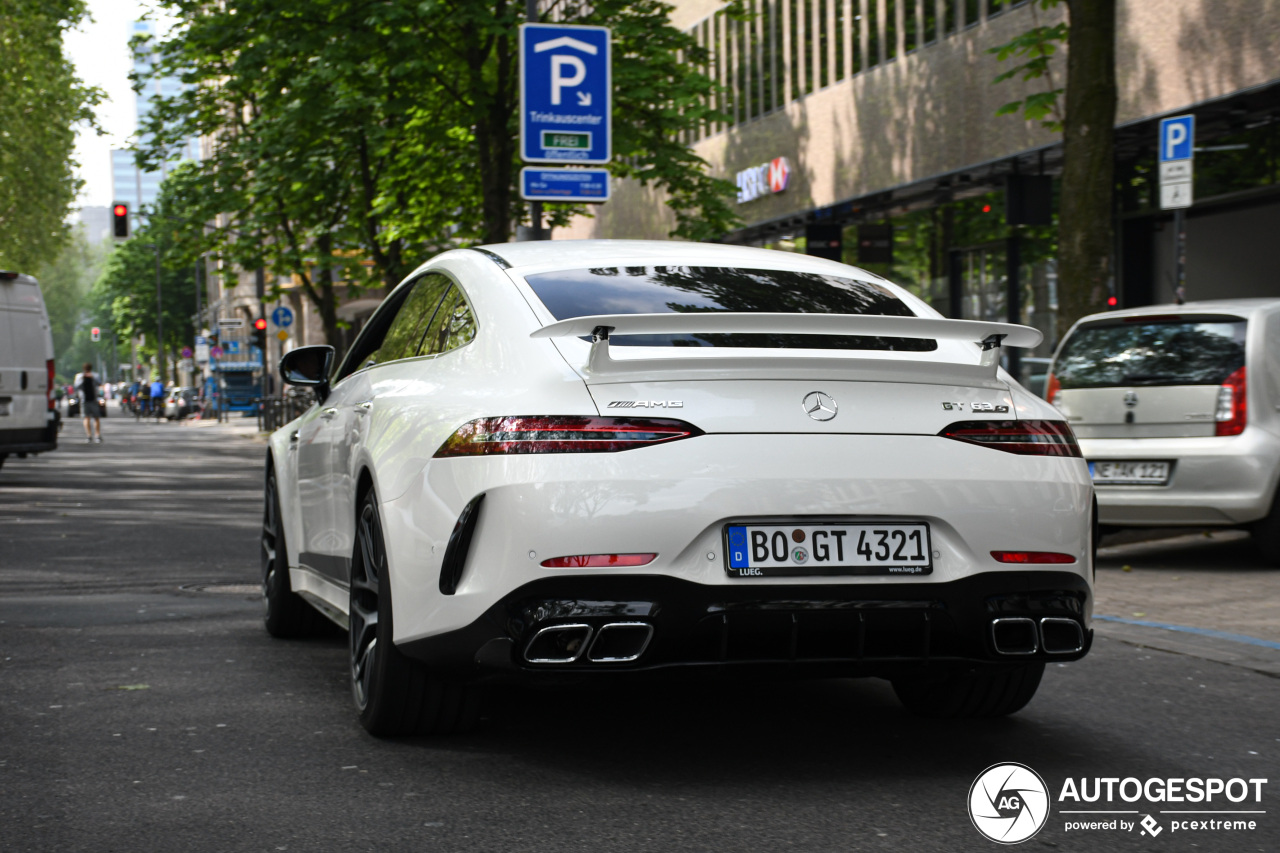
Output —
(284, 612)
(394, 694)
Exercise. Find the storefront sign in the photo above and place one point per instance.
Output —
(765, 179)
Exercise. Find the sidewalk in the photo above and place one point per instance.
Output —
(1201, 593)
(234, 425)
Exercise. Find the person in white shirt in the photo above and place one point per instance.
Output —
(87, 387)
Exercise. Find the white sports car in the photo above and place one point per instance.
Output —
(579, 459)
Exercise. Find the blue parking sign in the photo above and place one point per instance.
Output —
(566, 94)
(1177, 138)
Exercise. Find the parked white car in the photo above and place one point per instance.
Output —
(582, 459)
(28, 407)
(1177, 409)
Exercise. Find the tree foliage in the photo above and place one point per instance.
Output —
(41, 102)
(1035, 48)
(354, 138)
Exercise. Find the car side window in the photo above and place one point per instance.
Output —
(404, 336)
(454, 325)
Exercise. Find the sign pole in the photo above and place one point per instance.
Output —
(1176, 143)
(535, 207)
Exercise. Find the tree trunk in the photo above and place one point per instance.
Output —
(1086, 217)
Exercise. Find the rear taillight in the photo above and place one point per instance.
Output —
(1029, 438)
(1052, 389)
(561, 434)
(48, 389)
(1232, 411)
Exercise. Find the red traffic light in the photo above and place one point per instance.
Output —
(260, 324)
(1113, 302)
(120, 220)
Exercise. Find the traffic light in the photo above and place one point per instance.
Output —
(120, 220)
(260, 333)
(96, 334)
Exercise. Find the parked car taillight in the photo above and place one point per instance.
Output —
(48, 388)
(1232, 411)
(1052, 389)
(1029, 438)
(561, 434)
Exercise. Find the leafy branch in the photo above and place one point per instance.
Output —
(1036, 48)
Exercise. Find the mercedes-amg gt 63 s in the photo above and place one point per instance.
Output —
(583, 460)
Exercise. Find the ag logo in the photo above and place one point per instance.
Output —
(1008, 803)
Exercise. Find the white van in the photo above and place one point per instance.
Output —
(28, 414)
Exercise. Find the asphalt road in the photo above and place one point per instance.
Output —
(143, 708)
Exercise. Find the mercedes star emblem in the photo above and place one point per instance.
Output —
(819, 406)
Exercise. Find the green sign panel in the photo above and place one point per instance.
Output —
(557, 139)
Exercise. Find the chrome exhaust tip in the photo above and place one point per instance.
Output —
(558, 644)
(1014, 635)
(1061, 636)
(620, 642)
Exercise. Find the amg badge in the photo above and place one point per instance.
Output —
(646, 404)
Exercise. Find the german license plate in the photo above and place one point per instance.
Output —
(1124, 473)
(856, 548)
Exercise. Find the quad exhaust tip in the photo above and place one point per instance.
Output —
(616, 642)
(1014, 635)
(621, 642)
(558, 644)
(1020, 635)
(1061, 636)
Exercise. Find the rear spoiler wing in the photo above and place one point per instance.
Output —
(989, 336)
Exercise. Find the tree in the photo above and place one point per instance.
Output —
(41, 101)
(66, 280)
(354, 138)
(1085, 220)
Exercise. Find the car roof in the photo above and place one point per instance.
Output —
(577, 254)
(1242, 307)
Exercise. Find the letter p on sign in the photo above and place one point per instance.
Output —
(1177, 138)
(559, 80)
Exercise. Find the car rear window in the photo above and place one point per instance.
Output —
(1202, 350)
(674, 289)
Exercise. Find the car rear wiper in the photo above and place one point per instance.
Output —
(1148, 377)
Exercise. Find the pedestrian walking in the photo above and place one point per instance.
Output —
(87, 386)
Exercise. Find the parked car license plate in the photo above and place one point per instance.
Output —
(856, 548)
(1129, 473)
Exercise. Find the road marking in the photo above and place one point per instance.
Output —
(1204, 632)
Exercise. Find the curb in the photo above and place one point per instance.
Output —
(1262, 656)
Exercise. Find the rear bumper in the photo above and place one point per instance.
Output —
(1213, 480)
(38, 440)
(882, 629)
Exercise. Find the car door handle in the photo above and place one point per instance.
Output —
(293, 440)
(328, 414)
(363, 408)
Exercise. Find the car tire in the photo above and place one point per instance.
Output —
(284, 613)
(394, 694)
(1266, 534)
(993, 691)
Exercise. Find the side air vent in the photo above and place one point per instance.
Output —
(455, 554)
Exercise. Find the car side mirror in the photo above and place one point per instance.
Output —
(308, 367)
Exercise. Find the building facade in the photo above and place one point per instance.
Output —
(870, 126)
